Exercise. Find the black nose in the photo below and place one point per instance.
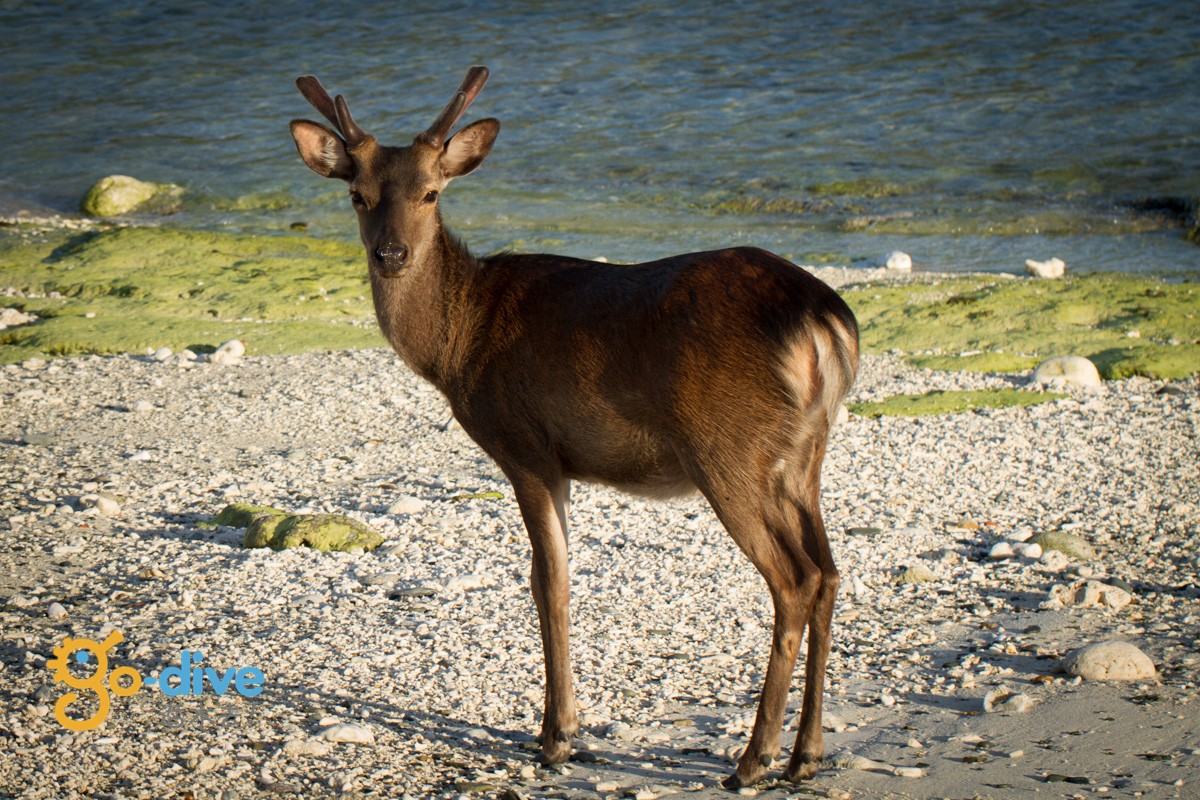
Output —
(391, 257)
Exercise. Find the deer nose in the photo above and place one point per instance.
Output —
(391, 257)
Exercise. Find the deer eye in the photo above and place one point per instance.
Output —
(356, 198)
(431, 197)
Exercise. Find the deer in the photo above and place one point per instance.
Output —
(714, 372)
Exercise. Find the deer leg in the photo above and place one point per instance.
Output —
(793, 581)
(810, 747)
(543, 507)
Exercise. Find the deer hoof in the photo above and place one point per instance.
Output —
(746, 775)
(801, 769)
(555, 749)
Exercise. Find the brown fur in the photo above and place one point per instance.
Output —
(719, 372)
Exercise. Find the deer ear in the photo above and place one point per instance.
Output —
(322, 149)
(467, 149)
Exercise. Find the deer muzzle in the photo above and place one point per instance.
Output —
(391, 258)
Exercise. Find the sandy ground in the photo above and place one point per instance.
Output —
(430, 642)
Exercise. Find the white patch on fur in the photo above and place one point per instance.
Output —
(329, 153)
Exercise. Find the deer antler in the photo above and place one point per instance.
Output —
(436, 135)
(335, 110)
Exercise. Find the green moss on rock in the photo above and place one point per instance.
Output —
(318, 531)
(1068, 544)
(117, 195)
(239, 515)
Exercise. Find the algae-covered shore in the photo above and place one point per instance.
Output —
(126, 290)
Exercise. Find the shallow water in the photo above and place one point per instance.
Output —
(971, 135)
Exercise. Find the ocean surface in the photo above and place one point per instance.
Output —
(972, 135)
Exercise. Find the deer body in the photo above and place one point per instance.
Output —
(718, 372)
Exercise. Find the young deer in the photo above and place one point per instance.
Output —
(719, 372)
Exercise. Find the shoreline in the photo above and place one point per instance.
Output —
(430, 642)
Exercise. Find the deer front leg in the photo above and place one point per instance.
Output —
(543, 507)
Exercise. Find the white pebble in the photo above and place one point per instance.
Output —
(406, 505)
(349, 732)
(898, 261)
(56, 611)
(1001, 550)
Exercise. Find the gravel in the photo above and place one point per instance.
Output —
(425, 653)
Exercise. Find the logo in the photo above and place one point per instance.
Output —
(188, 678)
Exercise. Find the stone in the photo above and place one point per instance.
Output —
(843, 415)
(898, 261)
(910, 772)
(406, 505)
(161, 354)
(12, 317)
(1068, 544)
(1053, 268)
(1062, 371)
(1001, 550)
(350, 732)
(318, 531)
(141, 406)
(56, 611)
(116, 195)
(228, 353)
(1028, 550)
(1110, 661)
(1095, 593)
(107, 506)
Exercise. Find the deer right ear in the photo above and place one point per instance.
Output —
(322, 149)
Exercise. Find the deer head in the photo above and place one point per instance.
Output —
(394, 190)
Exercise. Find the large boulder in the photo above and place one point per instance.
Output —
(116, 195)
(1110, 661)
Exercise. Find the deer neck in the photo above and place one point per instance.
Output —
(418, 311)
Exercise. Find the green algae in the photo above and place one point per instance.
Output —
(122, 290)
(948, 402)
(1126, 325)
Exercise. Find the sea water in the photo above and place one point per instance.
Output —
(972, 135)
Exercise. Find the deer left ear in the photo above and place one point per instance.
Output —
(322, 149)
(467, 149)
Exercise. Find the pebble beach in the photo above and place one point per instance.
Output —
(416, 669)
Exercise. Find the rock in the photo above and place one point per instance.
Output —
(141, 406)
(1067, 370)
(909, 772)
(1004, 699)
(1028, 550)
(107, 506)
(1094, 593)
(121, 194)
(1053, 561)
(898, 261)
(1068, 544)
(161, 354)
(12, 317)
(56, 611)
(1001, 550)
(843, 415)
(318, 531)
(406, 505)
(228, 353)
(1110, 661)
(1054, 268)
(607, 786)
(466, 583)
(348, 732)
(916, 574)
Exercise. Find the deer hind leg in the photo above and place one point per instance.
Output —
(794, 582)
(543, 507)
(809, 748)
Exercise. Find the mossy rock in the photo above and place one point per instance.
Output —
(1068, 544)
(120, 194)
(318, 531)
(916, 574)
(240, 515)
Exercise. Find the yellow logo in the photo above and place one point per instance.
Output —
(85, 650)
